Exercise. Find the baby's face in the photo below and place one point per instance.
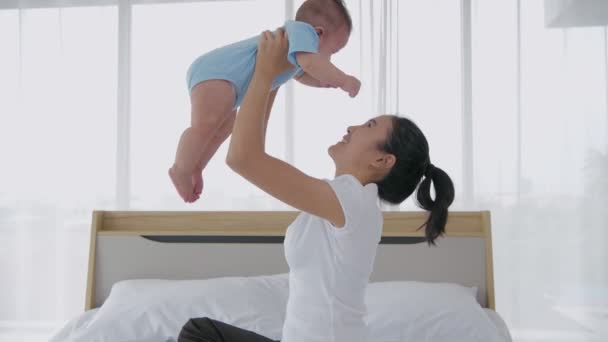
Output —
(330, 44)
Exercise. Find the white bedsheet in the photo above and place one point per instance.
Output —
(500, 324)
(80, 321)
(74, 325)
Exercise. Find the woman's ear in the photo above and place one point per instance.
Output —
(384, 162)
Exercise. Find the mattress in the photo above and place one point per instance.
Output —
(81, 321)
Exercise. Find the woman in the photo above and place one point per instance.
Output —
(331, 246)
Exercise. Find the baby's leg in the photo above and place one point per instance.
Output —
(212, 102)
(220, 136)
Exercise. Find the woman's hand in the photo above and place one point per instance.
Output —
(247, 154)
(271, 58)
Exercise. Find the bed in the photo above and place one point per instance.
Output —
(184, 246)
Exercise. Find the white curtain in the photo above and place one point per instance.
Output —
(379, 38)
(410, 66)
(59, 134)
(539, 152)
(57, 142)
(540, 164)
(539, 128)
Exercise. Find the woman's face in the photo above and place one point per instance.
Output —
(359, 151)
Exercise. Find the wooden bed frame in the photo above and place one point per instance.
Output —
(202, 245)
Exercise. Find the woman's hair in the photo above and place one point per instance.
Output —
(411, 150)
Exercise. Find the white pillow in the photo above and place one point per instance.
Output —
(404, 311)
(418, 311)
(138, 310)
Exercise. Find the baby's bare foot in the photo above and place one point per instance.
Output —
(197, 180)
(183, 183)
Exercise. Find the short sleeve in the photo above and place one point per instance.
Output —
(302, 38)
(350, 194)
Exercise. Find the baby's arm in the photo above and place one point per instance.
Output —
(310, 81)
(321, 69)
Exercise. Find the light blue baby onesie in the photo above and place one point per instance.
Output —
(236, 62)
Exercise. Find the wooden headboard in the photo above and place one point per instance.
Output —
(202, 245)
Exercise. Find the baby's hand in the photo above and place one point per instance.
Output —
(327, 85)
(351, 85)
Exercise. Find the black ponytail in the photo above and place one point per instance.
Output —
(411, 150)
(438, 208)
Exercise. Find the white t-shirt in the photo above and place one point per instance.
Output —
(329, 267)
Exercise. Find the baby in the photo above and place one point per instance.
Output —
(218, 80)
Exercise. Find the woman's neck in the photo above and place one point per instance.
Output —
(361, 178)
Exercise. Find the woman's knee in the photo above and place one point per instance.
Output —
(198, 330)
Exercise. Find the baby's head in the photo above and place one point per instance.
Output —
(331, 20)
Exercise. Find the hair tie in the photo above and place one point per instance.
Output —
(429, 170)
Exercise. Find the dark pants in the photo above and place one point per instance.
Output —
(209, 330)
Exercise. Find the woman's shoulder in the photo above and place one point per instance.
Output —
(352, 185)
(359, 202)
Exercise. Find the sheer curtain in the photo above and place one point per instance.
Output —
(57, 141)
(66, 124)
(83, 85)
(534, 102)
(540, 155)
(160, 107)
(326, 113)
